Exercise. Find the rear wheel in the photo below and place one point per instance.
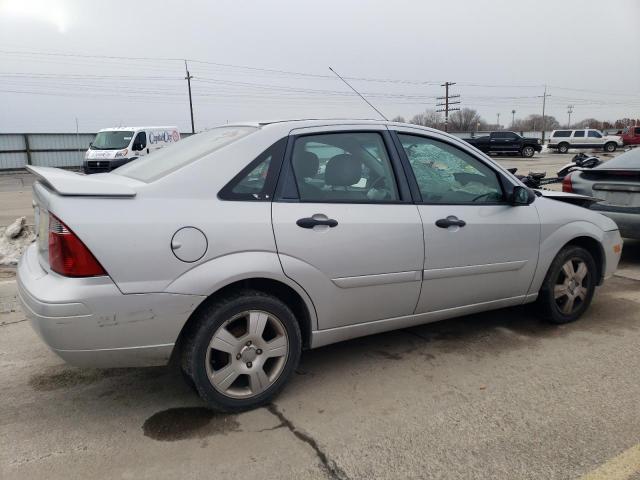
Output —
(563, 147)
(242, 350)
(568, 288)
(610, 147)
(528, 151)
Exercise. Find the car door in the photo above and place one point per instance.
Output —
(504, 142)
(594, 138)
(479, 248)
(346, 229)
(579, 140)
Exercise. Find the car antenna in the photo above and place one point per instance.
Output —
(368, 102)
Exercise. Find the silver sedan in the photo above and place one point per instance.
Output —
(617, 184)
(233, 250)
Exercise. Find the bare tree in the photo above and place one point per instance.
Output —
(534, 123)
(398, 118)
(429, 118)
(465, 120)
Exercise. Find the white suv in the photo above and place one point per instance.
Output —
(563, 140)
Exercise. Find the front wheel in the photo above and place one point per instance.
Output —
(569, 286)
(528, 151)
(242, 350)
(610, 147)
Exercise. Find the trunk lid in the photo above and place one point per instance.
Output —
(54, 188)
(615, 187)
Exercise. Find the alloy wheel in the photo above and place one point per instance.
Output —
(571, 288)
(247, 354)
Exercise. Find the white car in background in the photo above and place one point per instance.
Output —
(563, 140)
(113, 147)
(237, 248)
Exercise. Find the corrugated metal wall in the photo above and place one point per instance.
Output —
(45, 149)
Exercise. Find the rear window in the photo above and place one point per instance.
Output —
(562, 133)
(169, 159)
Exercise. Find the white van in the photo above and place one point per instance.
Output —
(114, 147)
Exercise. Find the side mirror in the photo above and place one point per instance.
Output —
(137, 147)
(91, 144)
(521, 196)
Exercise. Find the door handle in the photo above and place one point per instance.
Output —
(312, 222)
(450, 221)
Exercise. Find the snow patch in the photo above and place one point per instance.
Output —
(14, 240)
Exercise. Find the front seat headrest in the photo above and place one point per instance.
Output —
(306, 164)
(343, 170)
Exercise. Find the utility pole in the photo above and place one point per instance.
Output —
(569, 111)
(498, 122)
(513, 118)
(447, 104)
(544, 104)
(188, 79)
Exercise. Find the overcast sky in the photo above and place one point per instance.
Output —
(500, 53)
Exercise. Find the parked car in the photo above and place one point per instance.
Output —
(238, 247)
(563, 140)
(631, 136)
(506, 142)
(113, 147)
(617, 183)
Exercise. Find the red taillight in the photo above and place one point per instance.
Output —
(566, 184)
(68, 256)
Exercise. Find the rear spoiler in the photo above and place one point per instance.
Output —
(67, 183)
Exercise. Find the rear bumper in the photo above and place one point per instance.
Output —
(628, 221)
(612, 254)
(89, 322)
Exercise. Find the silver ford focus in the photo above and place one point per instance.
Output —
(235, 249)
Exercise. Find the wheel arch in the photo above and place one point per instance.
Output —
(583, 234)
(302, 308)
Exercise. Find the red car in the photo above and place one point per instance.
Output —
(631, 135)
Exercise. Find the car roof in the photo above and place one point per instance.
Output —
(324, 122)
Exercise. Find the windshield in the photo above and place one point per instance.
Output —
(164, 161)
(114, 140)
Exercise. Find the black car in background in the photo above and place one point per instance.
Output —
(506, 142)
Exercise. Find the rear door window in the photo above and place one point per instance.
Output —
(349, 167)
(578, 133)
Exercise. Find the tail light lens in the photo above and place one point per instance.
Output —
(567, 186)
(68, 256)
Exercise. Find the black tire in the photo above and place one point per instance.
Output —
(550, 307)
(563, 147)
(610, 147)
(210, 319)
(528, 151)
